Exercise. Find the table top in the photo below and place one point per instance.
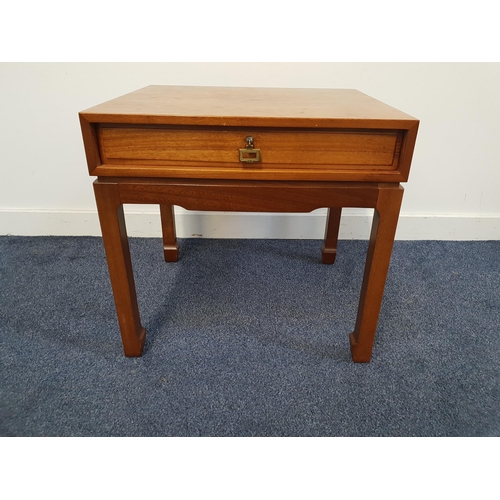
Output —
(251, 107)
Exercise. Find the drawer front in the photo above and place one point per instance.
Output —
(197, 152)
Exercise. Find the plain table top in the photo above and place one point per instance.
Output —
(255, 107)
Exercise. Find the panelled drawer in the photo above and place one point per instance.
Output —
(191, 150)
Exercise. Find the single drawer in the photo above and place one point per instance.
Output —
(286, 149)
(215, 152)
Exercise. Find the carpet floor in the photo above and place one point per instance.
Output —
(248, 338)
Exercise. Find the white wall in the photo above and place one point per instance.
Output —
(454, 182)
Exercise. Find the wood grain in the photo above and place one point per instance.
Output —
(385, 221)
(170, 245)
(114, 235)
(180, 146)
(248, 196)
(250, 107)
(289, 149)
(196, 132)
(329, 249)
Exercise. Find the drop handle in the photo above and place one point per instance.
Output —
(249, 154)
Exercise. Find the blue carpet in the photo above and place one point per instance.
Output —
(248, 338)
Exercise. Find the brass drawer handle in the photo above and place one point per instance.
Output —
(249, 154)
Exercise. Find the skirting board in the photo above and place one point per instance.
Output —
(355, 225)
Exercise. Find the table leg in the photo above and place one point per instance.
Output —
(170, 245)
(329, 249)
(114, 235)
(385, 220)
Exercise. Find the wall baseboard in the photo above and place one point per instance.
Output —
(355, 225)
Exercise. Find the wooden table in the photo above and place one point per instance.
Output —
(249, 150)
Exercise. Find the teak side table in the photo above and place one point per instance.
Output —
(248, 150)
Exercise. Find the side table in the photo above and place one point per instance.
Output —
(248, 150)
